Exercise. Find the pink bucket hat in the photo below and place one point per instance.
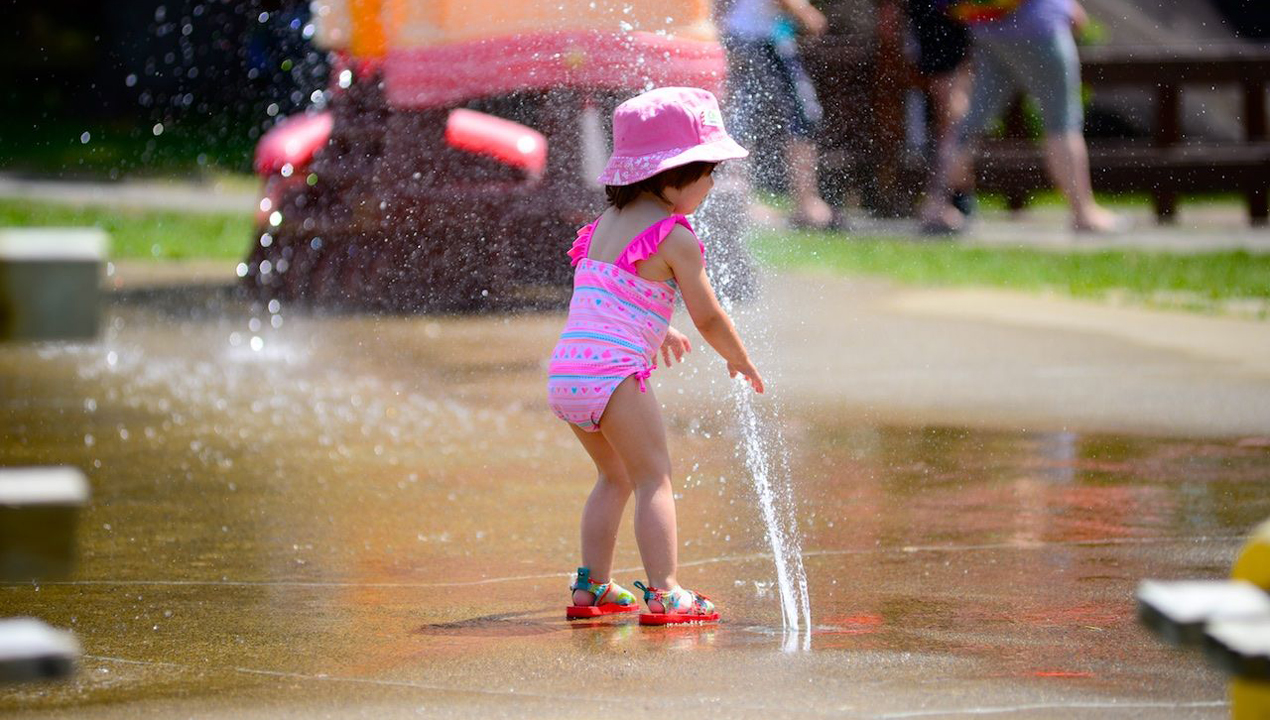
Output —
(666, 128)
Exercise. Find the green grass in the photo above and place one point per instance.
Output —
(1203, 278)
(61, 147)
(1194, 281)
(149, 234)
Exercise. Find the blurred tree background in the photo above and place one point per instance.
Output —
(142, 87)
(136, 87)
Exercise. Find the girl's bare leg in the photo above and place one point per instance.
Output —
(602, 514)
(633, 427)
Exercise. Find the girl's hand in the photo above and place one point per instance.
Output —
(676, 343)
(750, 373)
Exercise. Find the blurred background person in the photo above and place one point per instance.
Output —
(943, 48)
(1030, 46)
(771, 92)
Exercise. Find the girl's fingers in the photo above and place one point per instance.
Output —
(757, 383)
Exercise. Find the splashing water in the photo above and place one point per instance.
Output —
(762, 446)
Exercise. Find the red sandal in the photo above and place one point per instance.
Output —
(610, 598)
(685, 606)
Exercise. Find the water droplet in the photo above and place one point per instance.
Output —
(157, 129)
(85, 137)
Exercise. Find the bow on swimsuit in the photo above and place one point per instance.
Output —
(617, 321)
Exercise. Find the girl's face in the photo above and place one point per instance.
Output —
(686, 199)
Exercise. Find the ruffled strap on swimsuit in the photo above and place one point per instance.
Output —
(582, 243)
(645, 244)
(640, 248)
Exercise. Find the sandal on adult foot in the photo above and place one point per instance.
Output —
(610, 598)
(678, 606)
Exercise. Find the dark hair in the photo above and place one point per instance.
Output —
(619, 196)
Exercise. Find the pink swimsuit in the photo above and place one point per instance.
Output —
(617, 322)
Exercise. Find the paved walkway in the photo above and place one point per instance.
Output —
(1199, 228)
(181, 195)
(962, 356)
(304, 514)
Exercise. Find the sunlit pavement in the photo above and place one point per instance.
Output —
(300, 515)
(1198, 227)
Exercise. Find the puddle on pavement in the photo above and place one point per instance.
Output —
(389, 498)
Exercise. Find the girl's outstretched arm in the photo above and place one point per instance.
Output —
(682, 253)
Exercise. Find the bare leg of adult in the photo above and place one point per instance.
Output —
(950, 108)
(602, 514)
(936, 213)
(810, 208)
(632, 424)
(1067, 158)
(950, 98)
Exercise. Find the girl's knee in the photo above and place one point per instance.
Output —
(651, 477)
(617, 480)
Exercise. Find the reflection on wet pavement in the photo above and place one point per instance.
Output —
(378, 516)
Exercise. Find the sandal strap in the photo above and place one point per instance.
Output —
(583, 581)
(651, 593)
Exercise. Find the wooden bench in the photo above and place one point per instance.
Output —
(1166, 165)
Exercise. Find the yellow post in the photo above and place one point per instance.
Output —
(1250, 699)
(1253, 563)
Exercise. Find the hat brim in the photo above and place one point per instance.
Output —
(622, 170)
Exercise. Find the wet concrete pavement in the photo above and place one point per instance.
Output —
(354, 517)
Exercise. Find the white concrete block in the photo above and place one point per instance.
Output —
(49, 282)
(39, 510)
(31, 650)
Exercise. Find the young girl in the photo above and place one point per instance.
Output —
(630, 262)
